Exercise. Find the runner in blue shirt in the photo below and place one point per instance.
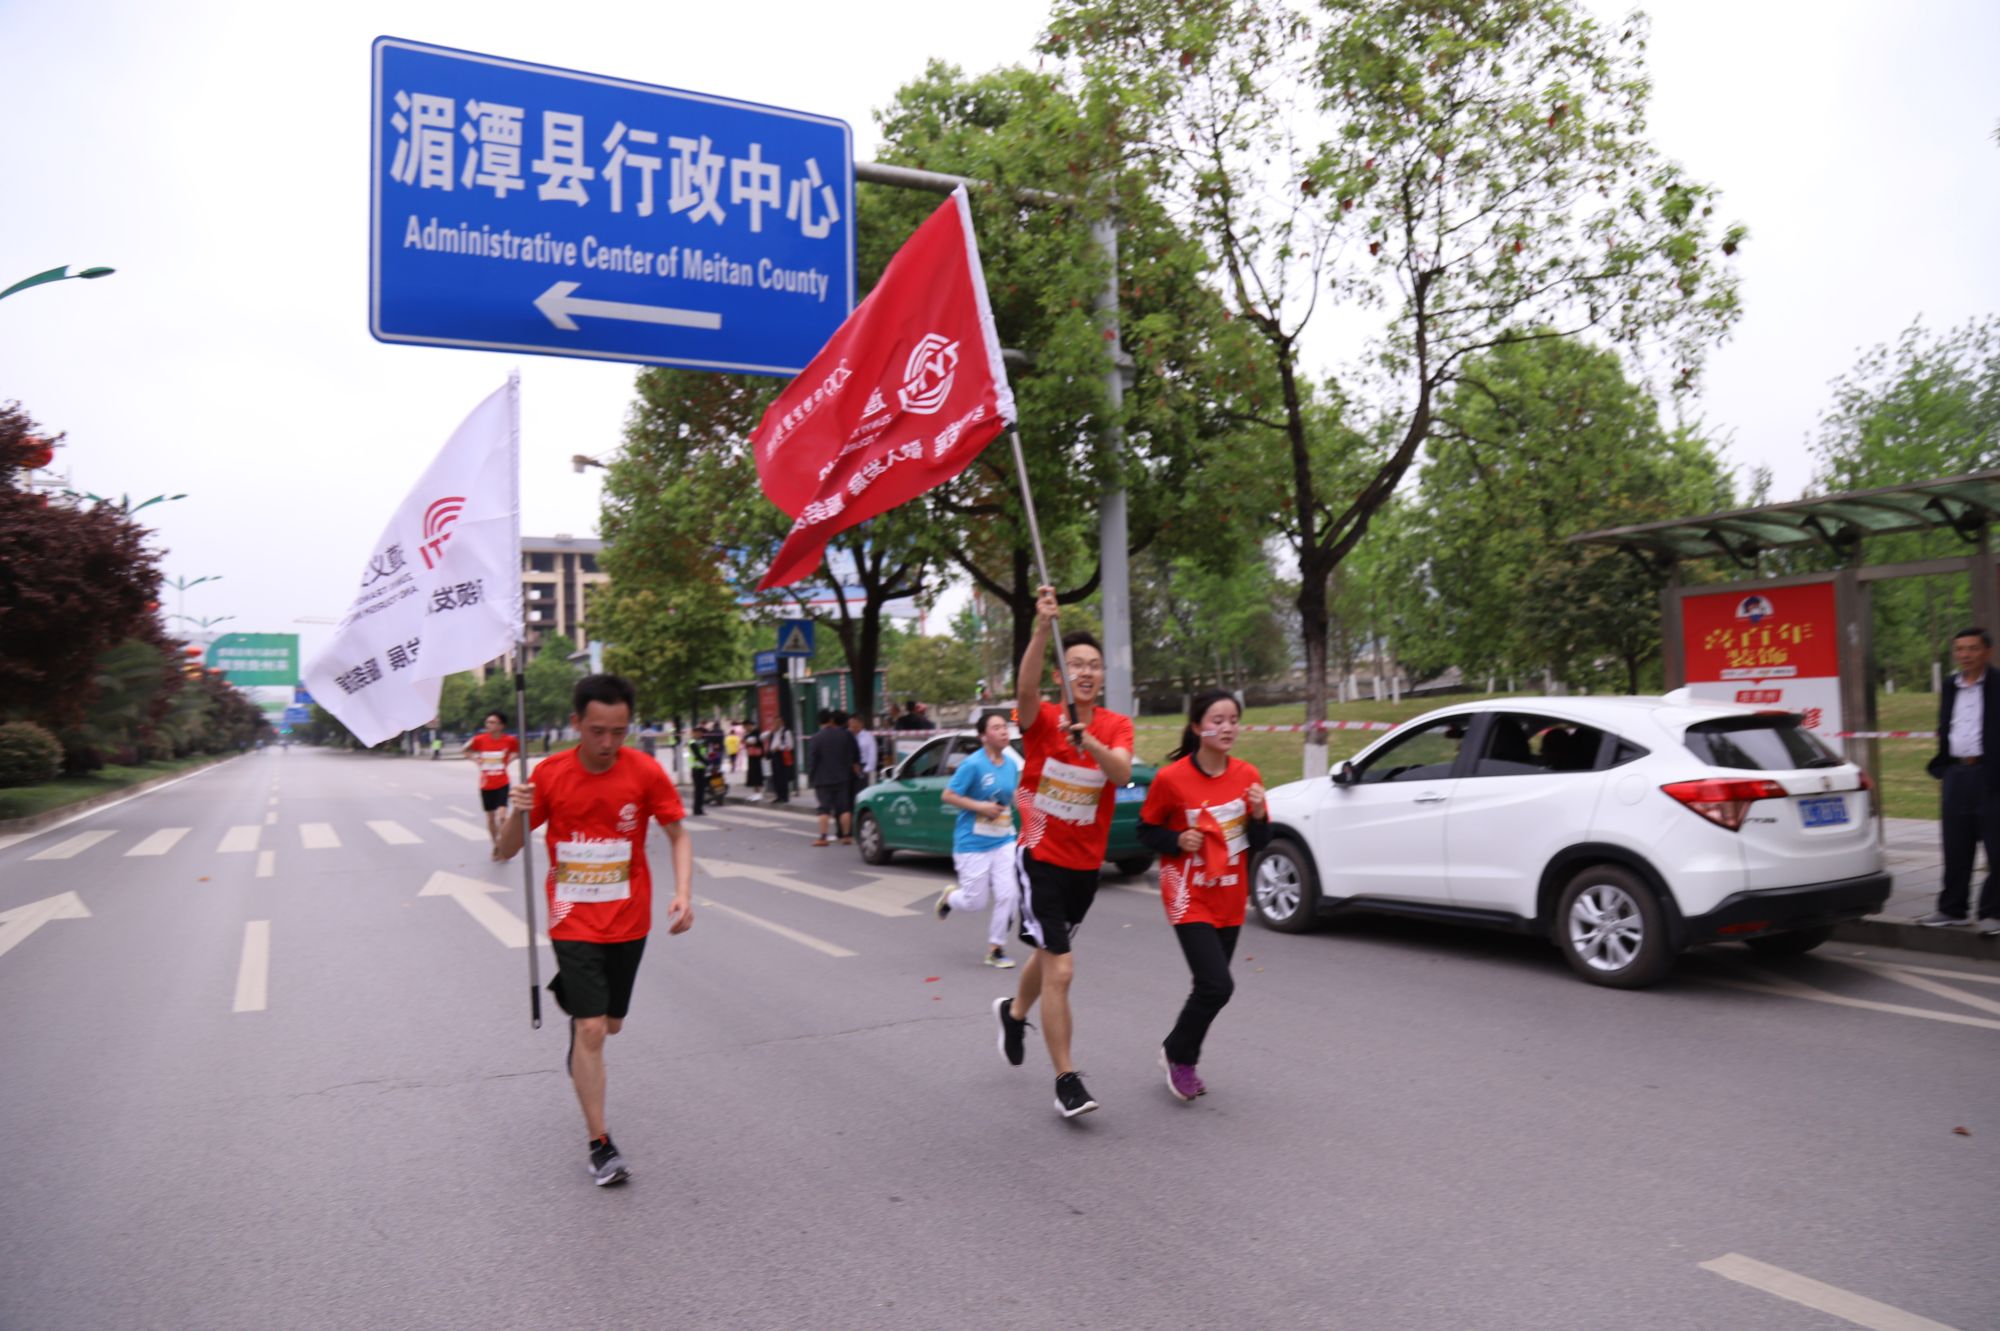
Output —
(982, 845)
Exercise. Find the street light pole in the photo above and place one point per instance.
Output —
(55, 275)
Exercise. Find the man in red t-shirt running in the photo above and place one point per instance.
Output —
(492, 749)
(596, 800)
(1069, 786)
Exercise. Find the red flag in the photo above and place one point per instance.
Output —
(903, 396)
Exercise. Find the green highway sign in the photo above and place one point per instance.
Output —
(251, 659)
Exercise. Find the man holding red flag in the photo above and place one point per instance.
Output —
(903, 396)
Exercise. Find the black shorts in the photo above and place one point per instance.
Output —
(1054, 901)
(494, 800)
(836, 799)
(595, 979)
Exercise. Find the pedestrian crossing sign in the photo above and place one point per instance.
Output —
(795, 637)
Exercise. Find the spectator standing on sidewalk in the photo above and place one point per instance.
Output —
(1968, 765)
(830, 762)
(864, 740)
(753, 754)
(778, 752)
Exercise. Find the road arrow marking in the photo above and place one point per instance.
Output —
(889, 897)
(783, 931)
(558, 305)
(476, 897)
(18, 923)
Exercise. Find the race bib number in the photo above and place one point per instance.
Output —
(1069, 792)
(593, 871)
(491, 760)
(994, 828)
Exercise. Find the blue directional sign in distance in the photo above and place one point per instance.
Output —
(518, 207)
(764, 663)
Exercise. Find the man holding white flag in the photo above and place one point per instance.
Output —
(441, 590)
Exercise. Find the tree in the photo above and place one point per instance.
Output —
(934, 669)
(75, 581)
(1539, 441)
(1196, 622)
(1474, 170)
(550, 680)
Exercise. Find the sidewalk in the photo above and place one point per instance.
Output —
(1915, 860)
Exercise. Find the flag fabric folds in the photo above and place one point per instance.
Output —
(441, 589)
(904, 395)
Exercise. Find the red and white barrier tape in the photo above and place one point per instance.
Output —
(1885, 734)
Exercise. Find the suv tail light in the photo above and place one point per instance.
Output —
(1724, 802)
(1867, 793)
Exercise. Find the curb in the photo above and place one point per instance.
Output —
(1880, 931)
(35, 822)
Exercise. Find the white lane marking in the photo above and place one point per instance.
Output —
(887, 896)
(318, 836)
(1976, 1002)
(18, 923)
(1965, 976)
(760, 824)
(273, 801)
(816, 944)
(470, 831)
(1817, 1295)
(267, 863)
(394, 833)
(476, 896)
(82, 841)
(106, 808)
(253, 976)
(239, 840)
(420, 795)
(270, 818)
(1784, 988)
(464, 813)
(159, 843)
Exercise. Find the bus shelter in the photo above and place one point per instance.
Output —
(1805, 642)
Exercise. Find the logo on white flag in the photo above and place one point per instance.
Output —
(439, 519)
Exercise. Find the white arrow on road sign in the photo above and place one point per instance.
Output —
(473, 894)
(18, 923)
(559, 306)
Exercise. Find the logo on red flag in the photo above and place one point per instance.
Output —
(924, 345)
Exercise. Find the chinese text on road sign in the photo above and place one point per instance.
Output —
(517, 207)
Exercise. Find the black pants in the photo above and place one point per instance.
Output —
(698, 778)
(781, 781)
(1971, 816)
(1208, 950)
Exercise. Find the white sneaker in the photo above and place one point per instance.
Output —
(1989, 928)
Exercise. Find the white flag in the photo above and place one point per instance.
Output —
(441, 591)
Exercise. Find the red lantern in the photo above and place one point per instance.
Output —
(36, 453)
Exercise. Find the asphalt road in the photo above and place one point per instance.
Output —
(1407, 1127)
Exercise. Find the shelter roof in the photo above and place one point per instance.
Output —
(1838, 521)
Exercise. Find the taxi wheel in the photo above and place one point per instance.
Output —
(868, 833)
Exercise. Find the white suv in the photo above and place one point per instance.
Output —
(1623, 829)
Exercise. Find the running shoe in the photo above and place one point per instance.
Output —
(1180, 1078)
(999, 960)
(1989, 927)
(1013, 1035)
(606, 1165)
(1071, 1098)
(1937, 919)
(943, 907)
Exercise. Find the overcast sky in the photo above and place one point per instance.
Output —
(217, 155)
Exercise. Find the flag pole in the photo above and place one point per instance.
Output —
(1041, 567)
(521, 706)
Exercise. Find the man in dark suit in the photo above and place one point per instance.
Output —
(1968, 763)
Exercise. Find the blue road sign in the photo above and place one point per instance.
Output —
(764, 663)
(795, 637)
(519, 207)
(300, 697)
(298, 716)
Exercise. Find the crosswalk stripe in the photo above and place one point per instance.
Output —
(82, 841)
(159, 843)
(470, 831)
(267, 863)
(239, 840)
(318, 836)
(394, 833)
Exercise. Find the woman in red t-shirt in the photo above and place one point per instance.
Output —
(492, 748)
(1205, 816)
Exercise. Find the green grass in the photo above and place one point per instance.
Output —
(26, 801)
(1907, 791)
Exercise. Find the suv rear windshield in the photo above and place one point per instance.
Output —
(1758, 744)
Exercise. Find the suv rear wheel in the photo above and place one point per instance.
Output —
(1611, 929)
(1284, 887)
